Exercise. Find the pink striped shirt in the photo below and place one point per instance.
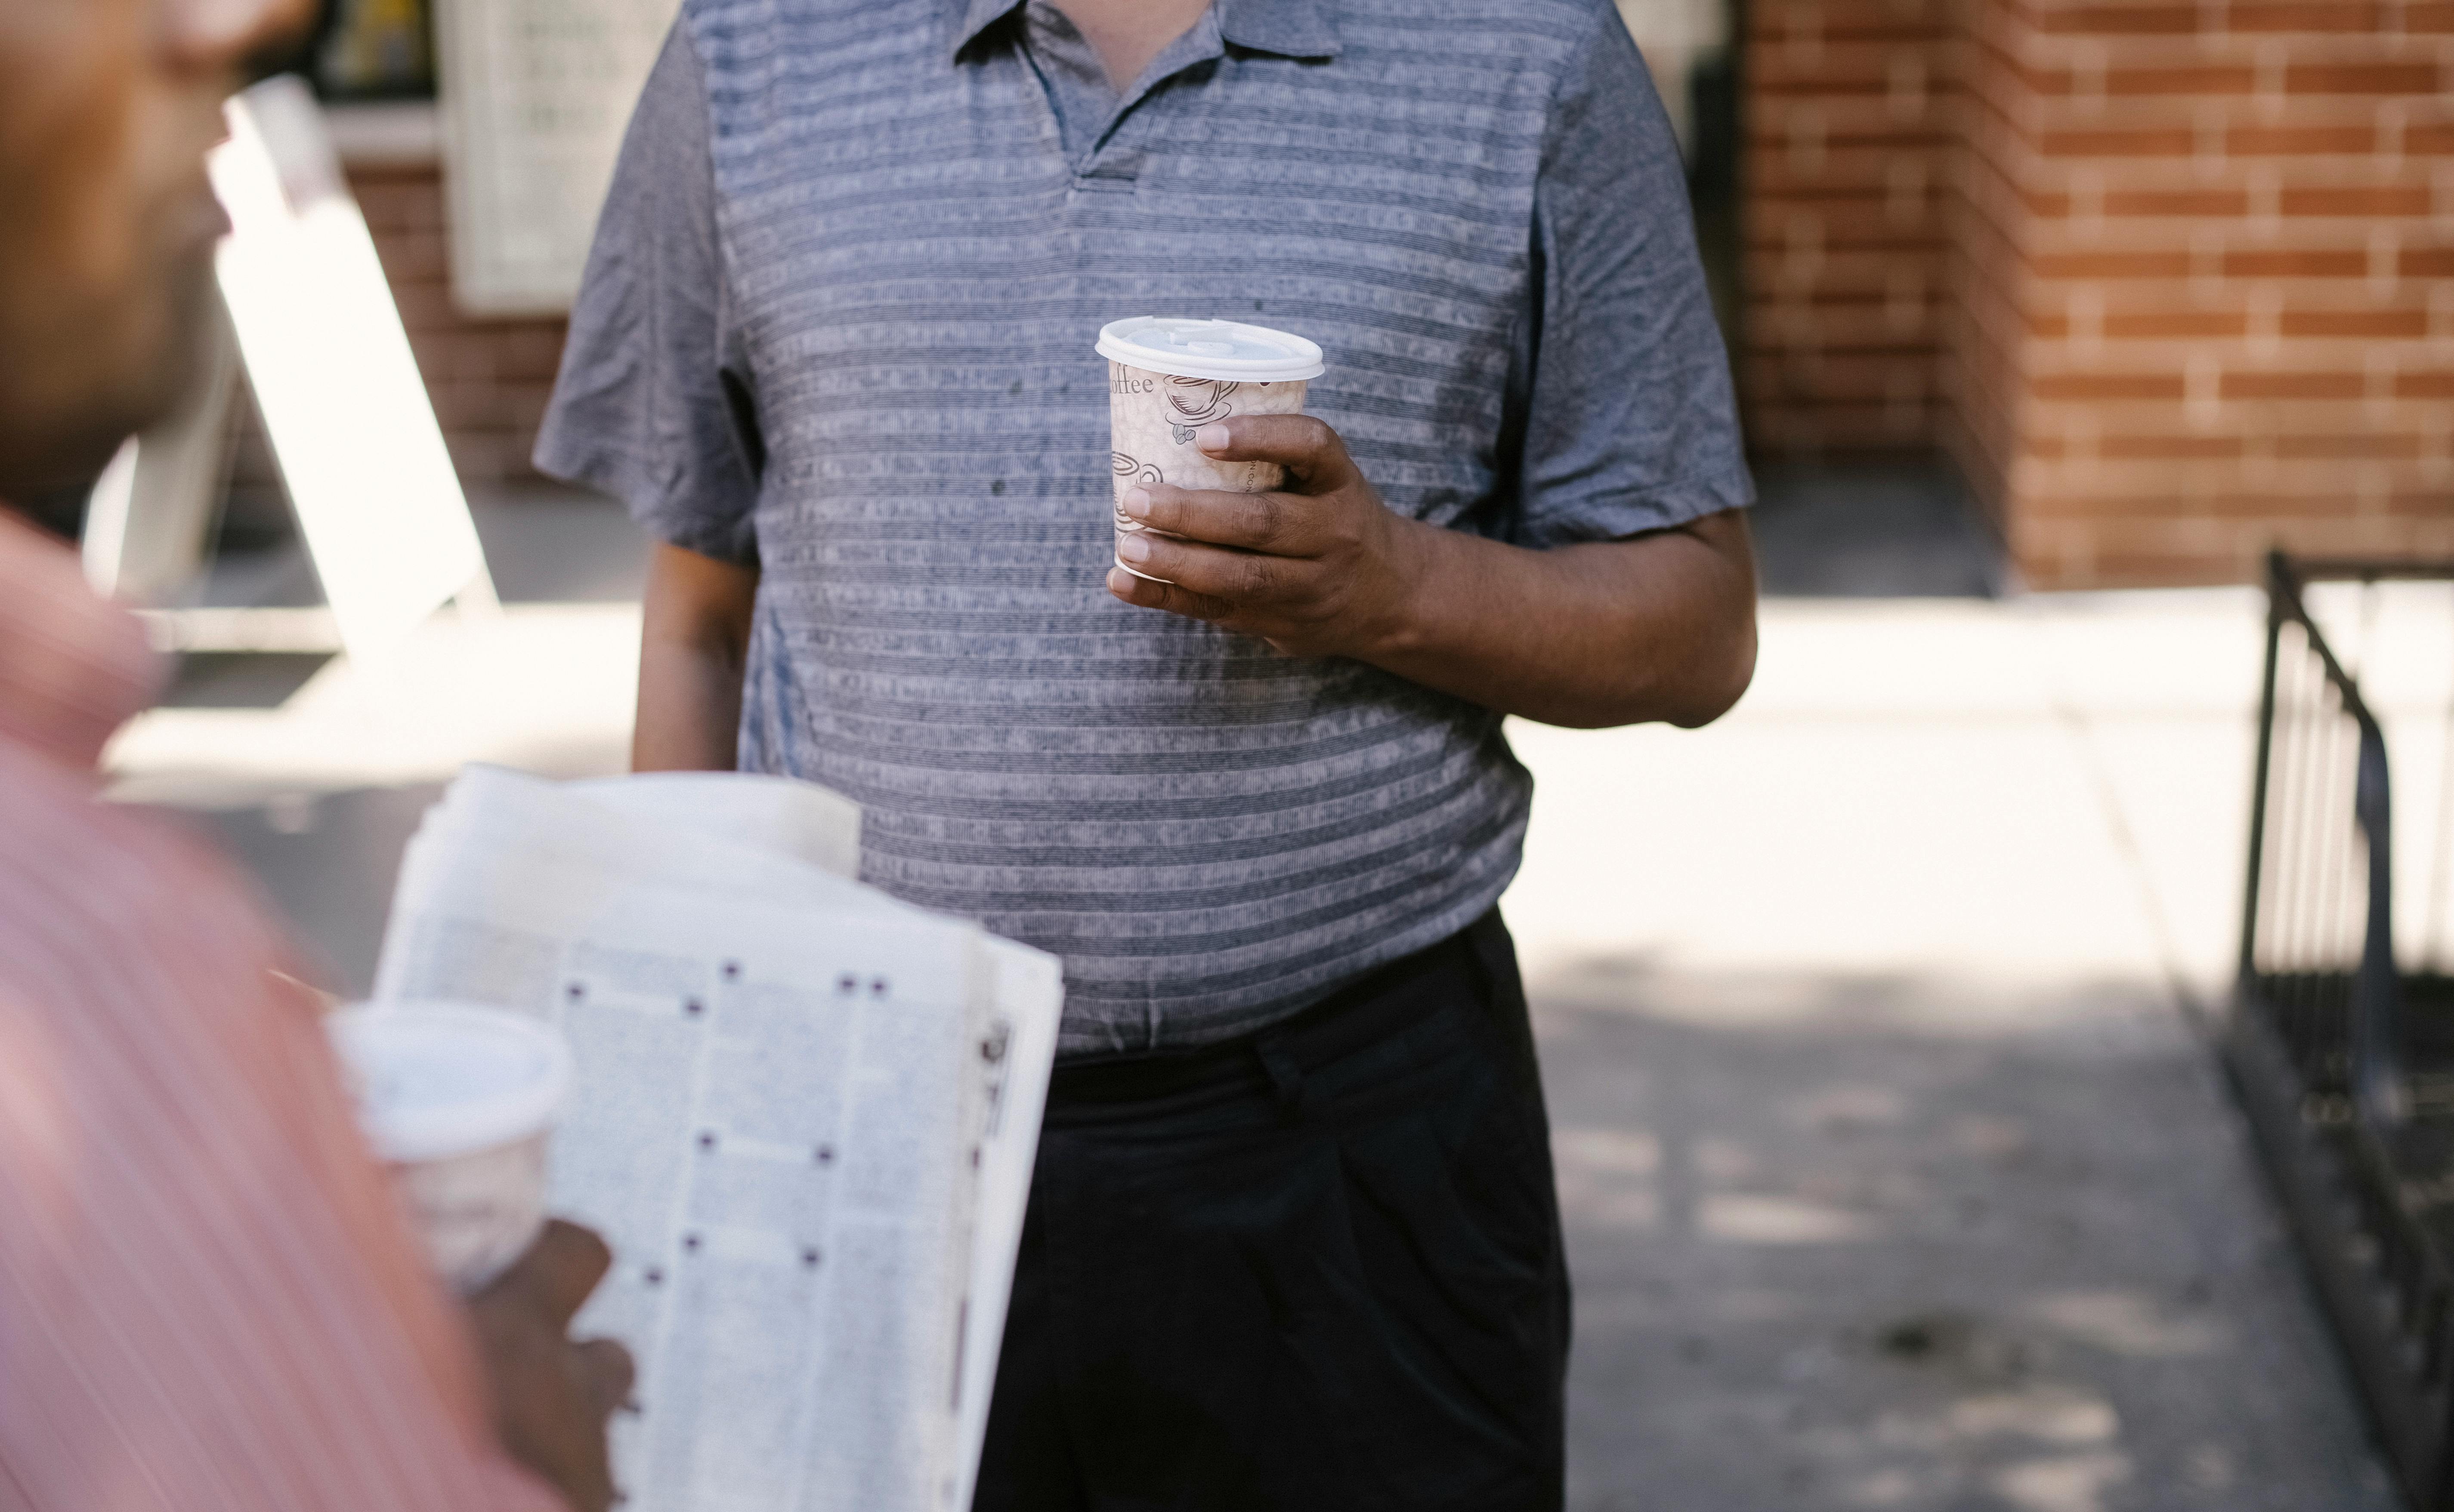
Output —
(208, 1302)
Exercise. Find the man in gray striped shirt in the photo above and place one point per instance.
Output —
(1293, 1242)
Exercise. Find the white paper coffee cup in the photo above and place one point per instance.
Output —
(458, 1099)
(1167, 378)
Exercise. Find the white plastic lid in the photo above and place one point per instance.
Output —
(432, 1081)
(1209, 348)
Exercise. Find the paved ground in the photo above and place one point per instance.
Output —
(1852, 1251)
(1894, 1173)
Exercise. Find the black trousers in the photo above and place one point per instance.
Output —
(1316, 1269)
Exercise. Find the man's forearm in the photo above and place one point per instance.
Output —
(694, 645)
(690, 709)
(1621, 632)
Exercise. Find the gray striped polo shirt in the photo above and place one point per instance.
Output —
(839, 324)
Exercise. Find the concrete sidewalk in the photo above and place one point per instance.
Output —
(1894, 1175)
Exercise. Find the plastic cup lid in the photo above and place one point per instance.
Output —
(1209, 348)
(432, 1081)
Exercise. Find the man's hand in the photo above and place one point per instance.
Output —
(1652, 627)
(552, 1396)
(1321, 568)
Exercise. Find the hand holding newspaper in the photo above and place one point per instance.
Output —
(803, 1116)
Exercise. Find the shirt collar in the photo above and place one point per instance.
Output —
(975, 16)
(1295, 29)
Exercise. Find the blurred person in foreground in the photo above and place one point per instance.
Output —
(208, 1299)
(1293, 1240)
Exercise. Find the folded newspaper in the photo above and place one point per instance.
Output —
(804, 1116)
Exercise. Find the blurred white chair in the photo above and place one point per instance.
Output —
(312, 319)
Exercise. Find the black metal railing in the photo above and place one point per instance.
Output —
(2317, 932)
(2345, 1062)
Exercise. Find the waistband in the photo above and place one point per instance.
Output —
(1370, 1008)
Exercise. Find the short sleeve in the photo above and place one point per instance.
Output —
(1631, 422)
(655, 404)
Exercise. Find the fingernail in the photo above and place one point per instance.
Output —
(1133, 546)
(1211, 438)
(1138, 501)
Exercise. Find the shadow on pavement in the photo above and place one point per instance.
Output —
(1892, 1243)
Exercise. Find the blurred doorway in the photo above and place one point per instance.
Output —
(1870, 512)
(1691, 47)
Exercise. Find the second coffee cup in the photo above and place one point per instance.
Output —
(458, 1099)
(1167, 378)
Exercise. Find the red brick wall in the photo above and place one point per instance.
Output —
(490, 379)
(1989, 221)
(2196, 260)
(1847, 152)
(2232, 292)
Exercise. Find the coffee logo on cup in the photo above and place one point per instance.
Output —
(1120, 381)
(1140, 474)
(1199, 400)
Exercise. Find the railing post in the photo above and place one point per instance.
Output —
(2377, 992)
(2275, 571)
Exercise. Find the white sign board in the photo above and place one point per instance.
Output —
(361, 455)
(535, 96)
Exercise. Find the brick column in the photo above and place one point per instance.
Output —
(2206, 291)
(1846, 146)
(1989, 221)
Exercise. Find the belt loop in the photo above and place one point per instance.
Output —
(1286, 1075)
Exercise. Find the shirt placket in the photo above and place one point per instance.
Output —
(1115, 157)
